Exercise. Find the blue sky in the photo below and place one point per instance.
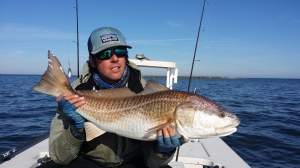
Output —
(239, 38)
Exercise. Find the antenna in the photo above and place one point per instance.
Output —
(204, 2)
(193, 62)
(77, 42)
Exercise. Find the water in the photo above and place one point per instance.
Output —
(269, 109)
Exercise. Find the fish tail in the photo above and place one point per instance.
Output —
(54, 81)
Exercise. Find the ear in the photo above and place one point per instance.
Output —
(92, 61)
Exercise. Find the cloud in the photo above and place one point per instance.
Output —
(174, 24)
(158, 42)
(21, 31)
(20, 37)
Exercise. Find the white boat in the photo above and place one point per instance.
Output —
(211, 152)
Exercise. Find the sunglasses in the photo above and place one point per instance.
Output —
(107, 54)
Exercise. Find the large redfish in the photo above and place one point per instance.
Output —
(139, 116)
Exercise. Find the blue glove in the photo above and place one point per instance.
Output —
(69, 110)
(166, 145)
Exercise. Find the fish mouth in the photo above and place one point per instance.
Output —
(226, 130)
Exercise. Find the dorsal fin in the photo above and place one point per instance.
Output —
(152, 87)
(108, 93)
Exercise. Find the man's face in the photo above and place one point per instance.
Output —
(111, 69)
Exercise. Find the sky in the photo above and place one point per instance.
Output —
(238, 38)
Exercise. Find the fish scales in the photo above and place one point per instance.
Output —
(132, 112)
(151, 106)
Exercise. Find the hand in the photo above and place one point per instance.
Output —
(69, 104)
(168, 140)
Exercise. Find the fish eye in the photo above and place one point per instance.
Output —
(221, 115)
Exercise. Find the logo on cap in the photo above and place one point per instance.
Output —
(109, 37)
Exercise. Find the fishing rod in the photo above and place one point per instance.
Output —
(193, 62)
(77, 39)
(195, 51)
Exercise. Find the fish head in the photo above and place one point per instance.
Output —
(199, 117)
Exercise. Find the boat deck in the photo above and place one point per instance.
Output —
(194, 154)
(209, 152)
(28, 158)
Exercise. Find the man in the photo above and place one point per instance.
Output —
(107, 68)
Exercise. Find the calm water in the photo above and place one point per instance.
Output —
(268, 136)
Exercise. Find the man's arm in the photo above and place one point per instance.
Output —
(66, 136)
(63, 146)
(154, 159)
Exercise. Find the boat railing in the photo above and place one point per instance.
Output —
(172, 71)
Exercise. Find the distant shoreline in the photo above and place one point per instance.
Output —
(151, 76)
(148, 76)
(163, 76)
(208, 77)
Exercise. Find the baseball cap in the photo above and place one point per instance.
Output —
(104, 38)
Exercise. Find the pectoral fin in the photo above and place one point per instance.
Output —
(92, 131)
(169, 122)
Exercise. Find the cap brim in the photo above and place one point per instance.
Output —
(104, 48)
